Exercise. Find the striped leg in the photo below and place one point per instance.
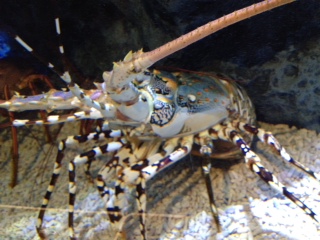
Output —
(121, 159)
(156, 166)
(253, 162)
(206, 151)
(70, 141)
(268, 138)
(114, 197)
(138, 174)
(83, 159)
(107, 170)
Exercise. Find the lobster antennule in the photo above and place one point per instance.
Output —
(124, 72)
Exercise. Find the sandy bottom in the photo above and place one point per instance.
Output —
(177, 200)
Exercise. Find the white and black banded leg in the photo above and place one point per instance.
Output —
(254, 163)
(120, 165)
(68, 142)
(268, 138)
(122, 158)
(104, 172)
(116, 200)
(116, 203)
(83, 159)
(156, 166)
(152, 166)
(139, 173)
(206, 151)
(46, 198)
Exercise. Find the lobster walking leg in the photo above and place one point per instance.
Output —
(139, 173)
(15, 147)
(68, 142)
(83, 159)
(157, 166)
(121, 159)
(15, 144)
(206, 151)
(124, 157)
(268, 138)
(254, 163)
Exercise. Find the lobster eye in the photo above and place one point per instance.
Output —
(192, 98)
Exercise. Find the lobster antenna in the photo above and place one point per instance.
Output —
(149, 58)
(124, 72)
(104, 108)
(65, 63)
(66, 72)
(58, 31)
(30, 49)
(64, 75)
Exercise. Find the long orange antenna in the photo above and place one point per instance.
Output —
(207, 29)
(124, 72)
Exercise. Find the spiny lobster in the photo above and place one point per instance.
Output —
(152, 121)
